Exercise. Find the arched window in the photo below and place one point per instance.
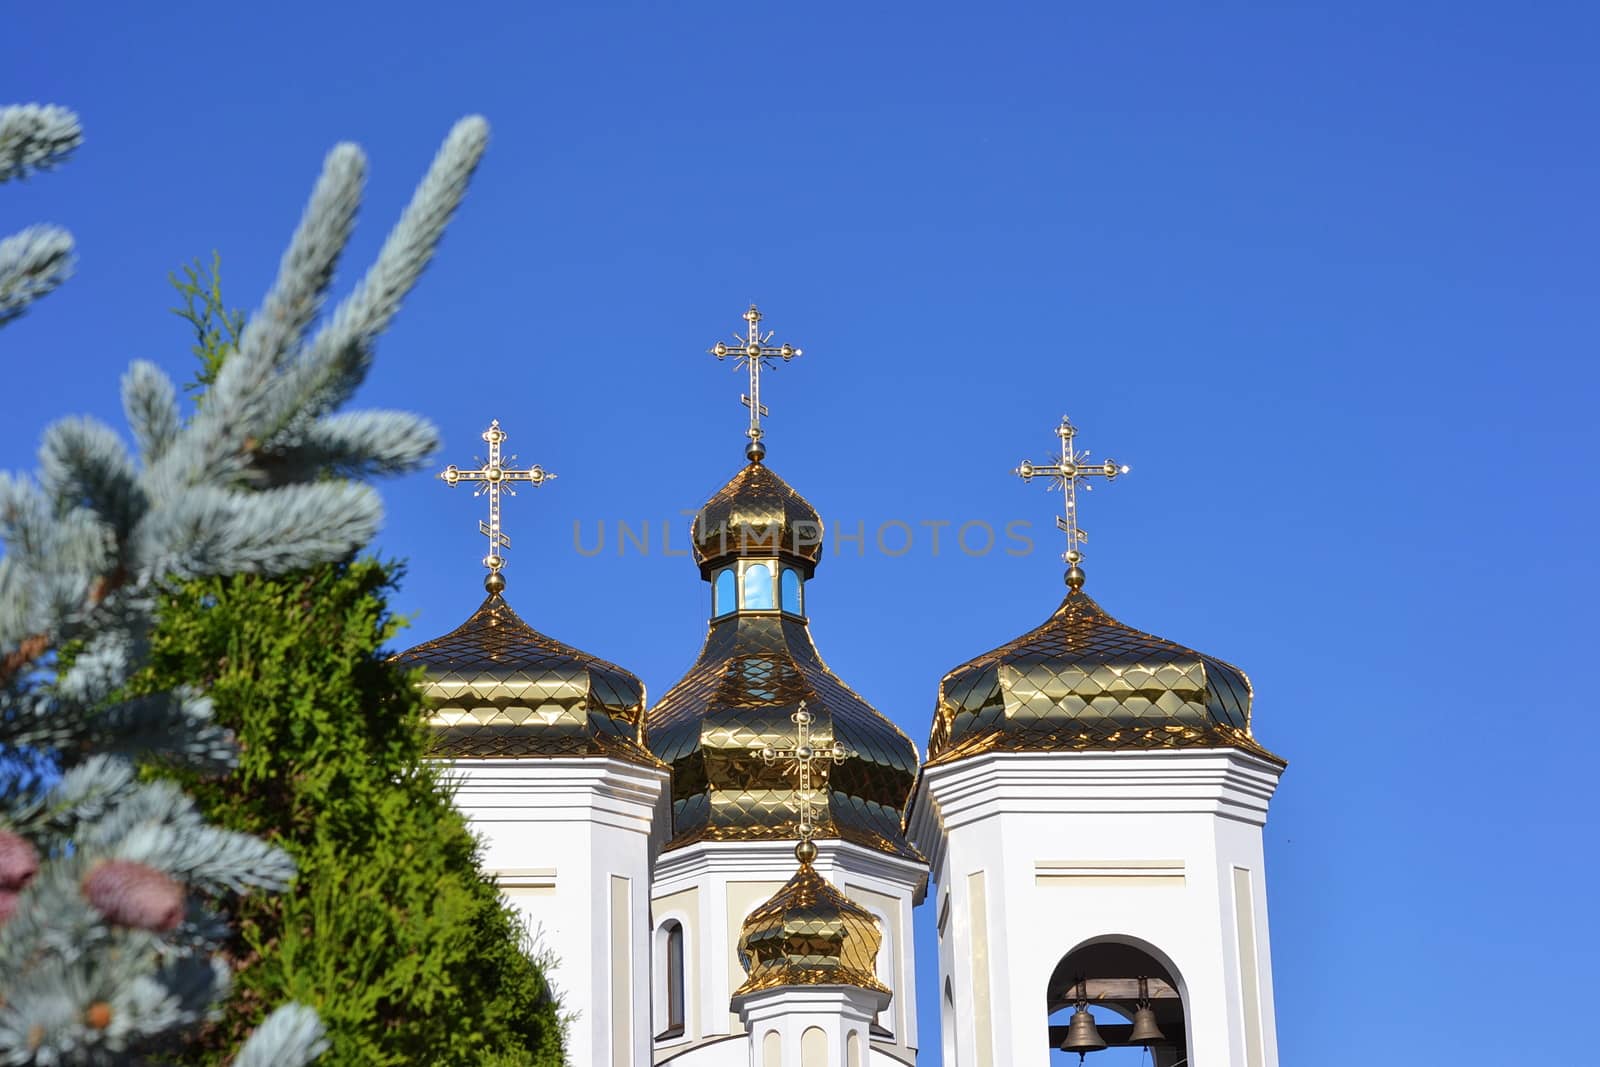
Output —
(758, 587)
(793, 603)
(722, 598)
(672, 962)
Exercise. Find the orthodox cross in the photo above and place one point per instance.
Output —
(753, 353)
(1065, 474)
(803, 759)
(495, 476)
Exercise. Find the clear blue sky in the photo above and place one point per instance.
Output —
(1323, 274)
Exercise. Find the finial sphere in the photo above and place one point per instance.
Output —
(1075, 578)
(494, 582)
(805, 851)
(754, 451)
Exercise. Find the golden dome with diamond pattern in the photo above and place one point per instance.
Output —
(809, 934)
(499, 689)
(757, 514)
(1084, 681)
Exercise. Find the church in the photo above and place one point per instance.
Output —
(730, 876)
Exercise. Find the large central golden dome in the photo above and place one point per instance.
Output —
(1083, 680)
(758, 665)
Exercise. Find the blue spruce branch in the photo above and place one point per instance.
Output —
(108, 933)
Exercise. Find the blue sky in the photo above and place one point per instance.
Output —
(1323, 274)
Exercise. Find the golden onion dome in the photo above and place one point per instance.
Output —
(1084, 681)
(757, 514)
(758, 665)
(809, 934)
(499, 689)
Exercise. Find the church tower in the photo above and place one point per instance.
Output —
(1092, 805)
(744, 784)
(546, 750)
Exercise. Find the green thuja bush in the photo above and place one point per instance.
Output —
(391, 932)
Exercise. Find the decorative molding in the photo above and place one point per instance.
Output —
(525, 877)
(1118, 874)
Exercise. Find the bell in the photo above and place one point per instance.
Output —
(1081, 1034)
(1145, 1030)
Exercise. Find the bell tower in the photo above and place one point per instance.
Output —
(1092, 806)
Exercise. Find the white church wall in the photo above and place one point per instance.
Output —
(570, 840)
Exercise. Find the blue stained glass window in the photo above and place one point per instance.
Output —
(758, 587)
(792, 601)
(722, 598)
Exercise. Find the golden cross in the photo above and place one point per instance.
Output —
(1065, 474)
(803, 757)
(753, 353)
(496, 476)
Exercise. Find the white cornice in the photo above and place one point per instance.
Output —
(1224, 782)
(598, 788)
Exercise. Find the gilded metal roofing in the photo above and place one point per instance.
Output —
(809, 933)
(1083, 680)
(500, 689)
(756, 514)
(741, 696)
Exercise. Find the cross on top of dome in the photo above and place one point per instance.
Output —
(494, 476)
(1065, 474)
(753, 352)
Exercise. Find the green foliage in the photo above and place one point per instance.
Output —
(391, 932)
(217, 328)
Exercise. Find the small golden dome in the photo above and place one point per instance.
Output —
(499, 689)
(757, 514)
(809, 934)
(1084, 681)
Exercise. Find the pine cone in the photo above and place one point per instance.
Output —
(134, 894)
(19, 860)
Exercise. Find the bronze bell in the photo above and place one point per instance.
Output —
(1082, 1036)
(1145, 1030)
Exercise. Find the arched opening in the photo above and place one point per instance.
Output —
(670, 945)
(722, 592)
(758, 581)
(1111, 978)
(793, 602)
